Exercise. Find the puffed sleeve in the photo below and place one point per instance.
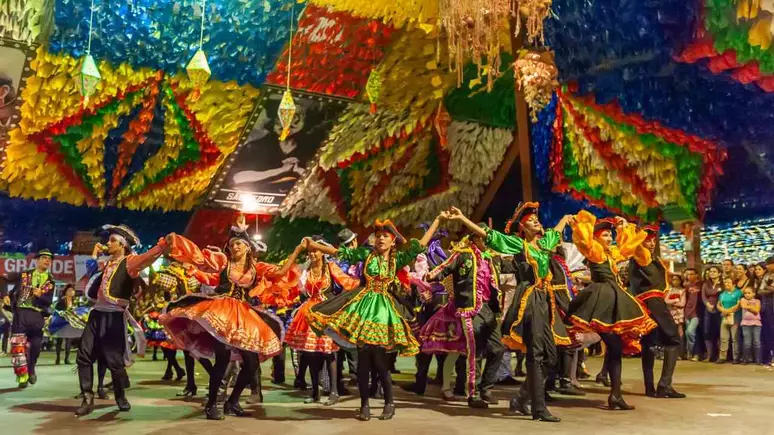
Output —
(629, 238)
(550, 240)
(583, 237)
(404, 257)
(346, 282)
(642, 256)
(504, 243)
(353, 255)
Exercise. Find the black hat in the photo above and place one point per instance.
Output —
(606, 224)
(121, 230)
(522, 211)
(346, 236)
(390, 227)
(254, 245)
(44, 253)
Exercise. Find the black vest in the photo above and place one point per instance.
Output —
(120, 284)
(225, 285)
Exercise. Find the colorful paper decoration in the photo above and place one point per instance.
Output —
(374, 88)
(333, 52)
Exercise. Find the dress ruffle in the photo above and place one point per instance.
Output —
(300, 335)
(364, 317)
(443, 332)
(195, 323)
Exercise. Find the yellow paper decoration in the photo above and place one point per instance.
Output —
(286, 112)
(394, 12)
(374, 88)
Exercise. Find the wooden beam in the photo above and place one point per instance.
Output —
(519, 147)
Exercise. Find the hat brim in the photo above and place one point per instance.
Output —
(122, 231)
(389, 227)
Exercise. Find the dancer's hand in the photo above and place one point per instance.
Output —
(37, 292)
(454, 213)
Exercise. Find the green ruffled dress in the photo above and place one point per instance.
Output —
(376, 314)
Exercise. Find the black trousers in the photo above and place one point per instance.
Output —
(278, 367)
(376, 359)
(245, 377)
(541, 350)
(103, 339)
(667, 334)
(171, 356)
(190, 374)
(316, 362)
(488, 336)
(613, 361)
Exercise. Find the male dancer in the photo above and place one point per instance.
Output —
(32, 294)
(648, 282)
(476, 299)
(105, 334)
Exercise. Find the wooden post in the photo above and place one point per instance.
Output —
(520, 147)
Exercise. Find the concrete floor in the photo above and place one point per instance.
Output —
(722, 400)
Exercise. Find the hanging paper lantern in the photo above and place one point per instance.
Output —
(89, 77)
(198, 71)
(535, 75)
(286, 111)
(374, 88)
(534, 13)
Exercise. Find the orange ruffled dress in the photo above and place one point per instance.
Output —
(196, 322)
(604, 306)
(300, 335)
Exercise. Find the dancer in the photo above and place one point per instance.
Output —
(376, 317)
(105, 335)
(603, 306)
(468, 323)
(649, 283)
(317, 283)
(212, 326)
(32, 294)
(531, 322)
(66, 323)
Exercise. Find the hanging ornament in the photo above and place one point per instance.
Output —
(89, 76)
(374, 88)
(198, 69)
(198, 72)
(535, 13)
(286, 112)
(441, 124)
(535, 76)
(473, 29)
(287, 107)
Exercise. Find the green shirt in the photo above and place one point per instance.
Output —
(508, 244)
(38, 279)
(377, 265)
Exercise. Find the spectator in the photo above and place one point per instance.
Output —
(675, 300)
(751, 326)
(766, 296)
(742, 280)
(728, 306)
(692, 292)
(711, 321)
(728, 267)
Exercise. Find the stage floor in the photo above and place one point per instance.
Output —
(722, 400)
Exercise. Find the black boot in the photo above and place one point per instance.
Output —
(519, 405)
(665, 389)
(566, 388)
(332, 399)
(614, 403)
(234, 408)
(477, 403)
(213, 412)
(546, 416)
(364, 413)
(388, 412)
(120, 380)
(87, 405)
(187, 392)
(102, 394)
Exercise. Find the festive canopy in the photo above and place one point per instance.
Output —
(663, 110)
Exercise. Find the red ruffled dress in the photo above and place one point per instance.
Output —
(300, 335)
(196, 322)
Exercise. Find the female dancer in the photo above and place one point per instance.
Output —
(207, 326)
(376, 317)
(67, 323)
(531, 322)
(603, 306)
(317, 283)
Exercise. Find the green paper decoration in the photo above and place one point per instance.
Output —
(89, 77)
